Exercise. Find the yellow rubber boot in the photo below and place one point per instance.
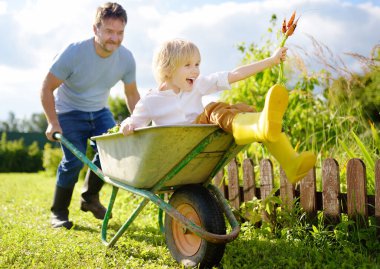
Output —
(262, 126)
(296, 166)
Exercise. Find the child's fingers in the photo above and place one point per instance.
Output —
(283, 53)
(127, 129)
(130, 129)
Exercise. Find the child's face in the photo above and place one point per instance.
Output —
(185, 75)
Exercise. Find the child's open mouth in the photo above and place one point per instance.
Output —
(190, 81)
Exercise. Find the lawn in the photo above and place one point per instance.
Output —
(28, 241)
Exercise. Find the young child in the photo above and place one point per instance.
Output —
(178, 100)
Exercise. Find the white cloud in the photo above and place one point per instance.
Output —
(3, 7)
(207, 17)
(20, 91)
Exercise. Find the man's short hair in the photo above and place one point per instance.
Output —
(110, 11)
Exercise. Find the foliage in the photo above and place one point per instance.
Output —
(118, 108)
(252, 90)
(302, 119)
(11, 124)
(15, 157)
(316, 121)
(294, 226)
(29, 138)
(255, 209)
(359, 90)
(16, 153)
(114, 129)
(51, 159)
(36, 123)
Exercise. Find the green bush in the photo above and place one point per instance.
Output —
(51, 158)
(15, 157)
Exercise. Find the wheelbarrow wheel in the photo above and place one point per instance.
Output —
(197, 204)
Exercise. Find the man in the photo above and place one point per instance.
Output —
(74, 96)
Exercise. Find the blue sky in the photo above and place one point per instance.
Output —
(33, 31)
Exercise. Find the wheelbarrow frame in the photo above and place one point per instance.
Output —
(155, 193)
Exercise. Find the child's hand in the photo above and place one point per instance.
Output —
(126, 128)
(279, 55)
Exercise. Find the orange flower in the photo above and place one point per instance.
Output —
(291, 28)
(288, 28)
(291, 20)
(284, 26)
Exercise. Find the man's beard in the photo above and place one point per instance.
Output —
(113, 44)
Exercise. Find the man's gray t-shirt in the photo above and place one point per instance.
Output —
(87, 77)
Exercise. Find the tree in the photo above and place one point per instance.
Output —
(36, 123)
(11, 125)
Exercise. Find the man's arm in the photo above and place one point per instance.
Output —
(50, 83)
(131, 95)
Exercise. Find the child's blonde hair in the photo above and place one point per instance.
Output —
(170, 55)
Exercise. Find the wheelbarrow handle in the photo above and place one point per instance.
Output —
(201, 232)
(57, 136)
(81, 156)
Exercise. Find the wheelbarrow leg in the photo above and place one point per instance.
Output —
(161, 215)
(126, 224)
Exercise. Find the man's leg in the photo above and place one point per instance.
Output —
(102, 121)
(60, 208)
(90, 195)
(69, 168)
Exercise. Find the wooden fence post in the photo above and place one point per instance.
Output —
(219, 182)
(308, 193)
(330, 191)
(377, 197)
(286, 190)
(330, 200)
(249, 186)
(266, 182)
(357, 200)
(233, 184)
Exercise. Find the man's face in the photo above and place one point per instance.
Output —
(108, 36)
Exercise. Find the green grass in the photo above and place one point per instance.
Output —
(28, 241)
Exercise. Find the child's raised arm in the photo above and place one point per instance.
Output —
(245, 71)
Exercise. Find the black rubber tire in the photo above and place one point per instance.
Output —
(211, 219)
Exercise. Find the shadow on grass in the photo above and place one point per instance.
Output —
(137, 233)
(140, 243)
(85, 228)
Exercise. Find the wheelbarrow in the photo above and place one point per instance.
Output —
(180, 161)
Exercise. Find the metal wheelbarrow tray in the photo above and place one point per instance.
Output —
(181, 160)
